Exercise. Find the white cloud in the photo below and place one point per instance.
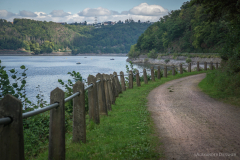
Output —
(91, 12)
(27, 14)
(59, 13)
(148, 10)
(6, 14)
(142, 12)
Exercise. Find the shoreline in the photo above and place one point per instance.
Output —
(61, 54)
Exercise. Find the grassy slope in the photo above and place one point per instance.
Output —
(211, 90)
(127, 133)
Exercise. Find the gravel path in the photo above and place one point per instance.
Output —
(192, 125)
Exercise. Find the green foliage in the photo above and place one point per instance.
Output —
(223, 86)
(188, 60)
(184, 30)
(152, 54)
(167, 60)
(46, 37)
(133, 53)
(69, 91)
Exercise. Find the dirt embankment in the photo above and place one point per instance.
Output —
(192, 125)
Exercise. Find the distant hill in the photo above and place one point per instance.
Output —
(46, 37)
(187, 30)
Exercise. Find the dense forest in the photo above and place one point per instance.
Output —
(187, 30)
(46, 37)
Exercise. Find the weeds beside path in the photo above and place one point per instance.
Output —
(191, 124)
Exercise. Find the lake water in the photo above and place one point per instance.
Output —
(46, 70)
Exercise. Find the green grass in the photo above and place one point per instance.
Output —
(126, 133)
(221, 87)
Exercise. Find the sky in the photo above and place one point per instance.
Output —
(70, 11)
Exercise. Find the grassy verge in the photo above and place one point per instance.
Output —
(221, 87)
(126, 133)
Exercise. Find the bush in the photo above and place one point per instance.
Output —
(188, 60)
(167, 60)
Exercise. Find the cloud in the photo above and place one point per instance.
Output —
(6, 14)
(59, 13)
(142, 12)
(148, 10)
(27, 14)
(90, 12)
(125, 12)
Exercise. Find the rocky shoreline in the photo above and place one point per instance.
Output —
(174, 61)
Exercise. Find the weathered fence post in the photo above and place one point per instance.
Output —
(93, 100)
(117, 82)
(159, 73)
(198, 66)
(110, 90)
(122, 81)
(181, 70)
(107, 95)
(173, 70)
(211, 65)
(205, 66)
(145, 76)
(152, 74)
(11, 135)
(113, 88)
(189, 67)
(101, 96)
(165, 71)
(130, 83)
(138, 79)
(79, 122)
(216, 65)
(57, 126)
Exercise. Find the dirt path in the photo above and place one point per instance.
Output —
(192, 125)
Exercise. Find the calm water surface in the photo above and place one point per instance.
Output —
(45, 71)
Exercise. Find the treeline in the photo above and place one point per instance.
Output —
(46, 37)
(187, 30)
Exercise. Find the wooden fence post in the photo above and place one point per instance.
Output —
(93, 100)
(11, 135)
(152, 74)
(165, 71)
(173, 70)
(57, 126)
(122, 81)
(119, 88)
(189, 67)
(101, 96)
(159, 73)
(138, 79)
(198, 66)
(181, 70)
(145, 76)
(107, 95)
(130, 86)
(113, 87)
(211, 65)
(205, 66)
(79, 122)
(110, 90)
(216, 65)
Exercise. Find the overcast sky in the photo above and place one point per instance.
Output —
(79, 11)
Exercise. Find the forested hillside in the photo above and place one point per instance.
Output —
(46, 37)
(187, 30)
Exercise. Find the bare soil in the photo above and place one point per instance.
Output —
(192, 125)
